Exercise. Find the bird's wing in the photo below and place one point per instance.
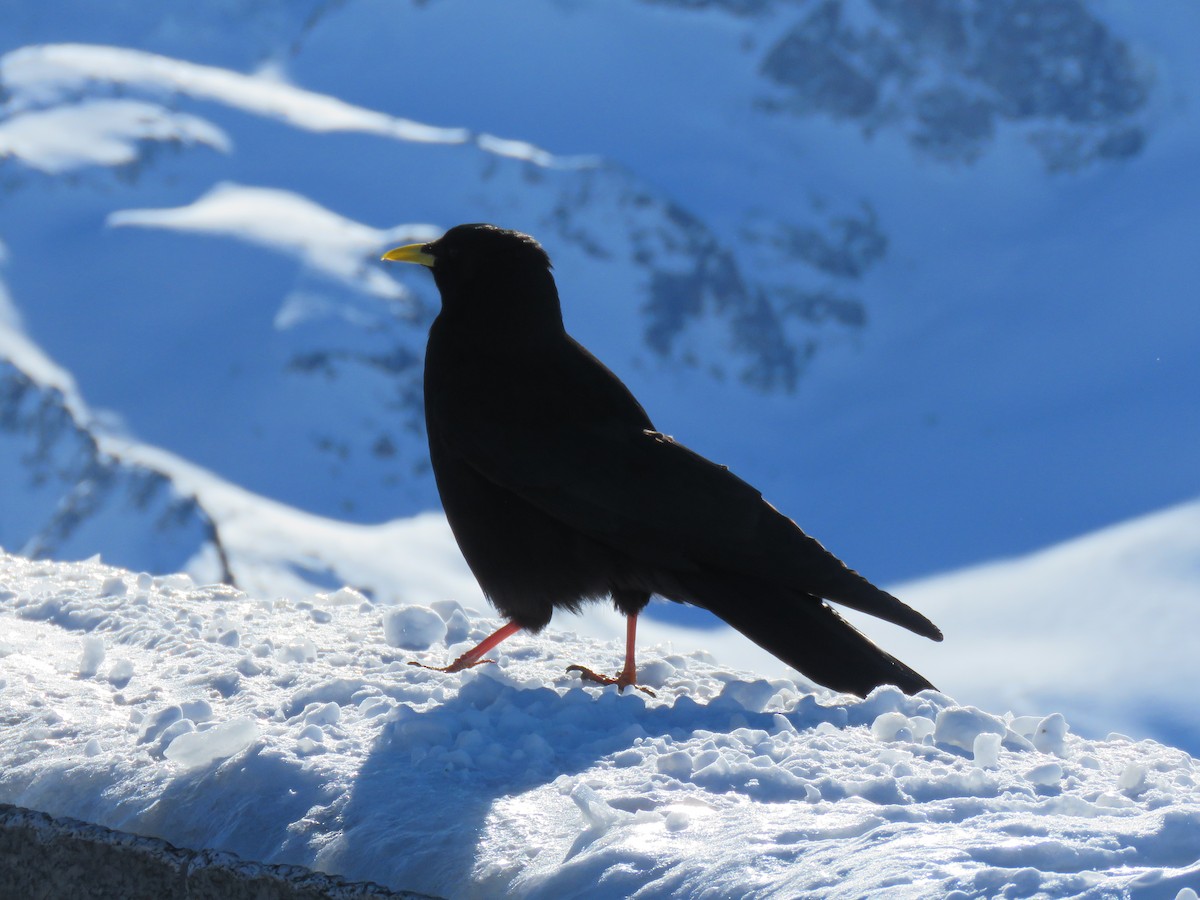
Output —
(640, 491)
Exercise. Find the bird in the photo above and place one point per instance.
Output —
(560, 491)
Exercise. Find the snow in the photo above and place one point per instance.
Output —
(16, 347)
(191, 749)
(1097, 627)
(524, 150)
(515, 779)
(413, 628)
(1006, 392)
(291, 224)
(42, 73)
(92, 656)
(99, 133)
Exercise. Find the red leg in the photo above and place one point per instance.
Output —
(628, 676)
(473, 656)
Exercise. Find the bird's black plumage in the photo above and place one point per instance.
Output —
(559, 490)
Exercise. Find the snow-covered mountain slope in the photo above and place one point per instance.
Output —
(293, 731)
(1103, 626)
(918, 272)
(66, 495)
(328, 379)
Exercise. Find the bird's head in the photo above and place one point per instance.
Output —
(480, 259)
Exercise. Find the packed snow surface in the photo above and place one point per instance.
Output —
(291, 730)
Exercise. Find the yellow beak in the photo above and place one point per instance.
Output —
(413, 253)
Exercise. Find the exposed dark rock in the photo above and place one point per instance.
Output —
(66, 498)
(50, 858)
(947, 73)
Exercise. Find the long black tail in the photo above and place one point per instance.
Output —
(805, 633)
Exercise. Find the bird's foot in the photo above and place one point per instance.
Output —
(622, 681)
(463, 662)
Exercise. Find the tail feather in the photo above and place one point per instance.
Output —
(790, 557)
(806, 634)
(858, 593)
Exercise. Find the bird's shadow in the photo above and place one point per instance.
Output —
(422, 798)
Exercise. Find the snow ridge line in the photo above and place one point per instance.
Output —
(36, 76)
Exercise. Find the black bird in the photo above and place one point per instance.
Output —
(560, 491)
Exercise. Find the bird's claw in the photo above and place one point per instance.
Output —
(457, 666)
(621, 681)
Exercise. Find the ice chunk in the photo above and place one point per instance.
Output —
(677, 820)
(199, 748)
(1026, 726)
(458, 628)
(171, 732)
(1133, 778)
(1047, 774)
(346, 596)
(322, 714)
(306, 746)
(120, 672)
(655, 673)
(1109, 800)
(677, 764)
(114, 586)
(158, 723)
(890, 726)
(922, 727)
(413, 627)
(178, 581)
(446, 609)
(226, 684)
(1051, 735)
(958, 726)
(375, 706)
(748, 695)
(596, 811)
(986, 749)
(299, 651)
(92, 656)
(197, 710)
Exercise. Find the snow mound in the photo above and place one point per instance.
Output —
(413, 628)
(516, 780)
